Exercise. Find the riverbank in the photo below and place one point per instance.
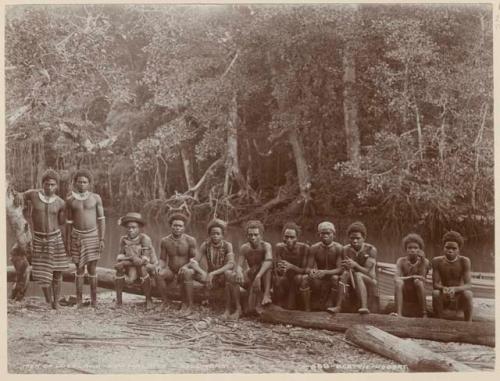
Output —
(130, 340)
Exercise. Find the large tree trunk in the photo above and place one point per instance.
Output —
(405, 352)
(187, 164)
(350, 102)
(482, 333)
(303, 176)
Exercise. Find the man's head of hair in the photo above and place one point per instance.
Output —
(254, 224)
(291, 226)
(216, 223)
(357, 227)
(453, 236)
(50, 174)
(413, 238)
(177, 217)
(82, 173)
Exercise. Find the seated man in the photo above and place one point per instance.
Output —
(325, 255)
(177, 249)
(290, 268)
(409, 280)
(137, 257)
(451, 278)
(220, 262)
(258, 257)
(359, 263)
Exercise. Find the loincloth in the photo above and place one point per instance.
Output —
(85, 246)
(49, 255)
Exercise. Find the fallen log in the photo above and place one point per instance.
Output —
(405, 352)
(106, 279)
(482, 333)
(484, 309)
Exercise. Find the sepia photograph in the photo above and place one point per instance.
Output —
(249, 188)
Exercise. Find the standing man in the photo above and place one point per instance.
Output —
(291, 259)
(49, 258)
(85, 228)
(411, 271)
(176, 251)
(451, 278)
(326, 255)
(258, 256)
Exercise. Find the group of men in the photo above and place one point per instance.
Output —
(291, 273)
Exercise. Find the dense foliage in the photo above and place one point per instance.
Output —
(383, 111)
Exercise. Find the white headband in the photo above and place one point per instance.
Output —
(326, 225)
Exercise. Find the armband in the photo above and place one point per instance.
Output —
(101, 218)
(69, 222)
(268, 260)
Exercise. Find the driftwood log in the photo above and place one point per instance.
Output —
(481, 333)
(405, 352)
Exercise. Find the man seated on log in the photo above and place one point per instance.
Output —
(176, 251)
(290, 274)
(49, 258)
(325, 255)
(137, 258)
(257, 254)
(359, 260)
(85, 228)
(219, 256)
(409, 279)
(451, 278)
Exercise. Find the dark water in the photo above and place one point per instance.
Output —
(389, 248)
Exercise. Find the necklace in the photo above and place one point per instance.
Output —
(453, 260)
(46, 199)
(81, 196)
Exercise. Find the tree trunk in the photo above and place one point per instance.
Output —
(17, 221)
(303, 176)
(477, 142)
(187, 165)
(405, 352)
(482, 333)
(350, 103)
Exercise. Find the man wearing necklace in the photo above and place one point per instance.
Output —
(219, 256)
(176, 251)
(137, 258)
(451, 278)
(49, 257)
(85, 227)
(359, 260)
(409, 279)
(259, 260)
(290, 272)
(325, 255)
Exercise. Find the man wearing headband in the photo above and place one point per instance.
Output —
(324, 263)
(49, 257)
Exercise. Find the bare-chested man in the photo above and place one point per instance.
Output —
(451, 278)
(49, 257)
(137, 258)
(359, 260)
(290, 261)
(176, 251)
(258, 256)
(409, 280)
(85, 228)
(219, 256)
(325, 256)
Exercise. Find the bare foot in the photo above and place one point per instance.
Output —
(266, 299)
(364, 311)
(149, 304)
(163, 307)
(394, 314)
(236, 315)
(258, 309)
(333, 310)
(226, 314)
(185, 311)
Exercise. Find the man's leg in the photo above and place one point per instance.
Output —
(266, 298)
(91, 268)
(302, 283)
(187, 284)
(466, 303)
(342, 290)
(146, 287)
(56, 288)
(437, 303)
(362, 292)
(332, 290)
(420, 291)
(80, 273)
(398, 296)
(227, 293)
(163, 277)
(235, 289)
(119, 282)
